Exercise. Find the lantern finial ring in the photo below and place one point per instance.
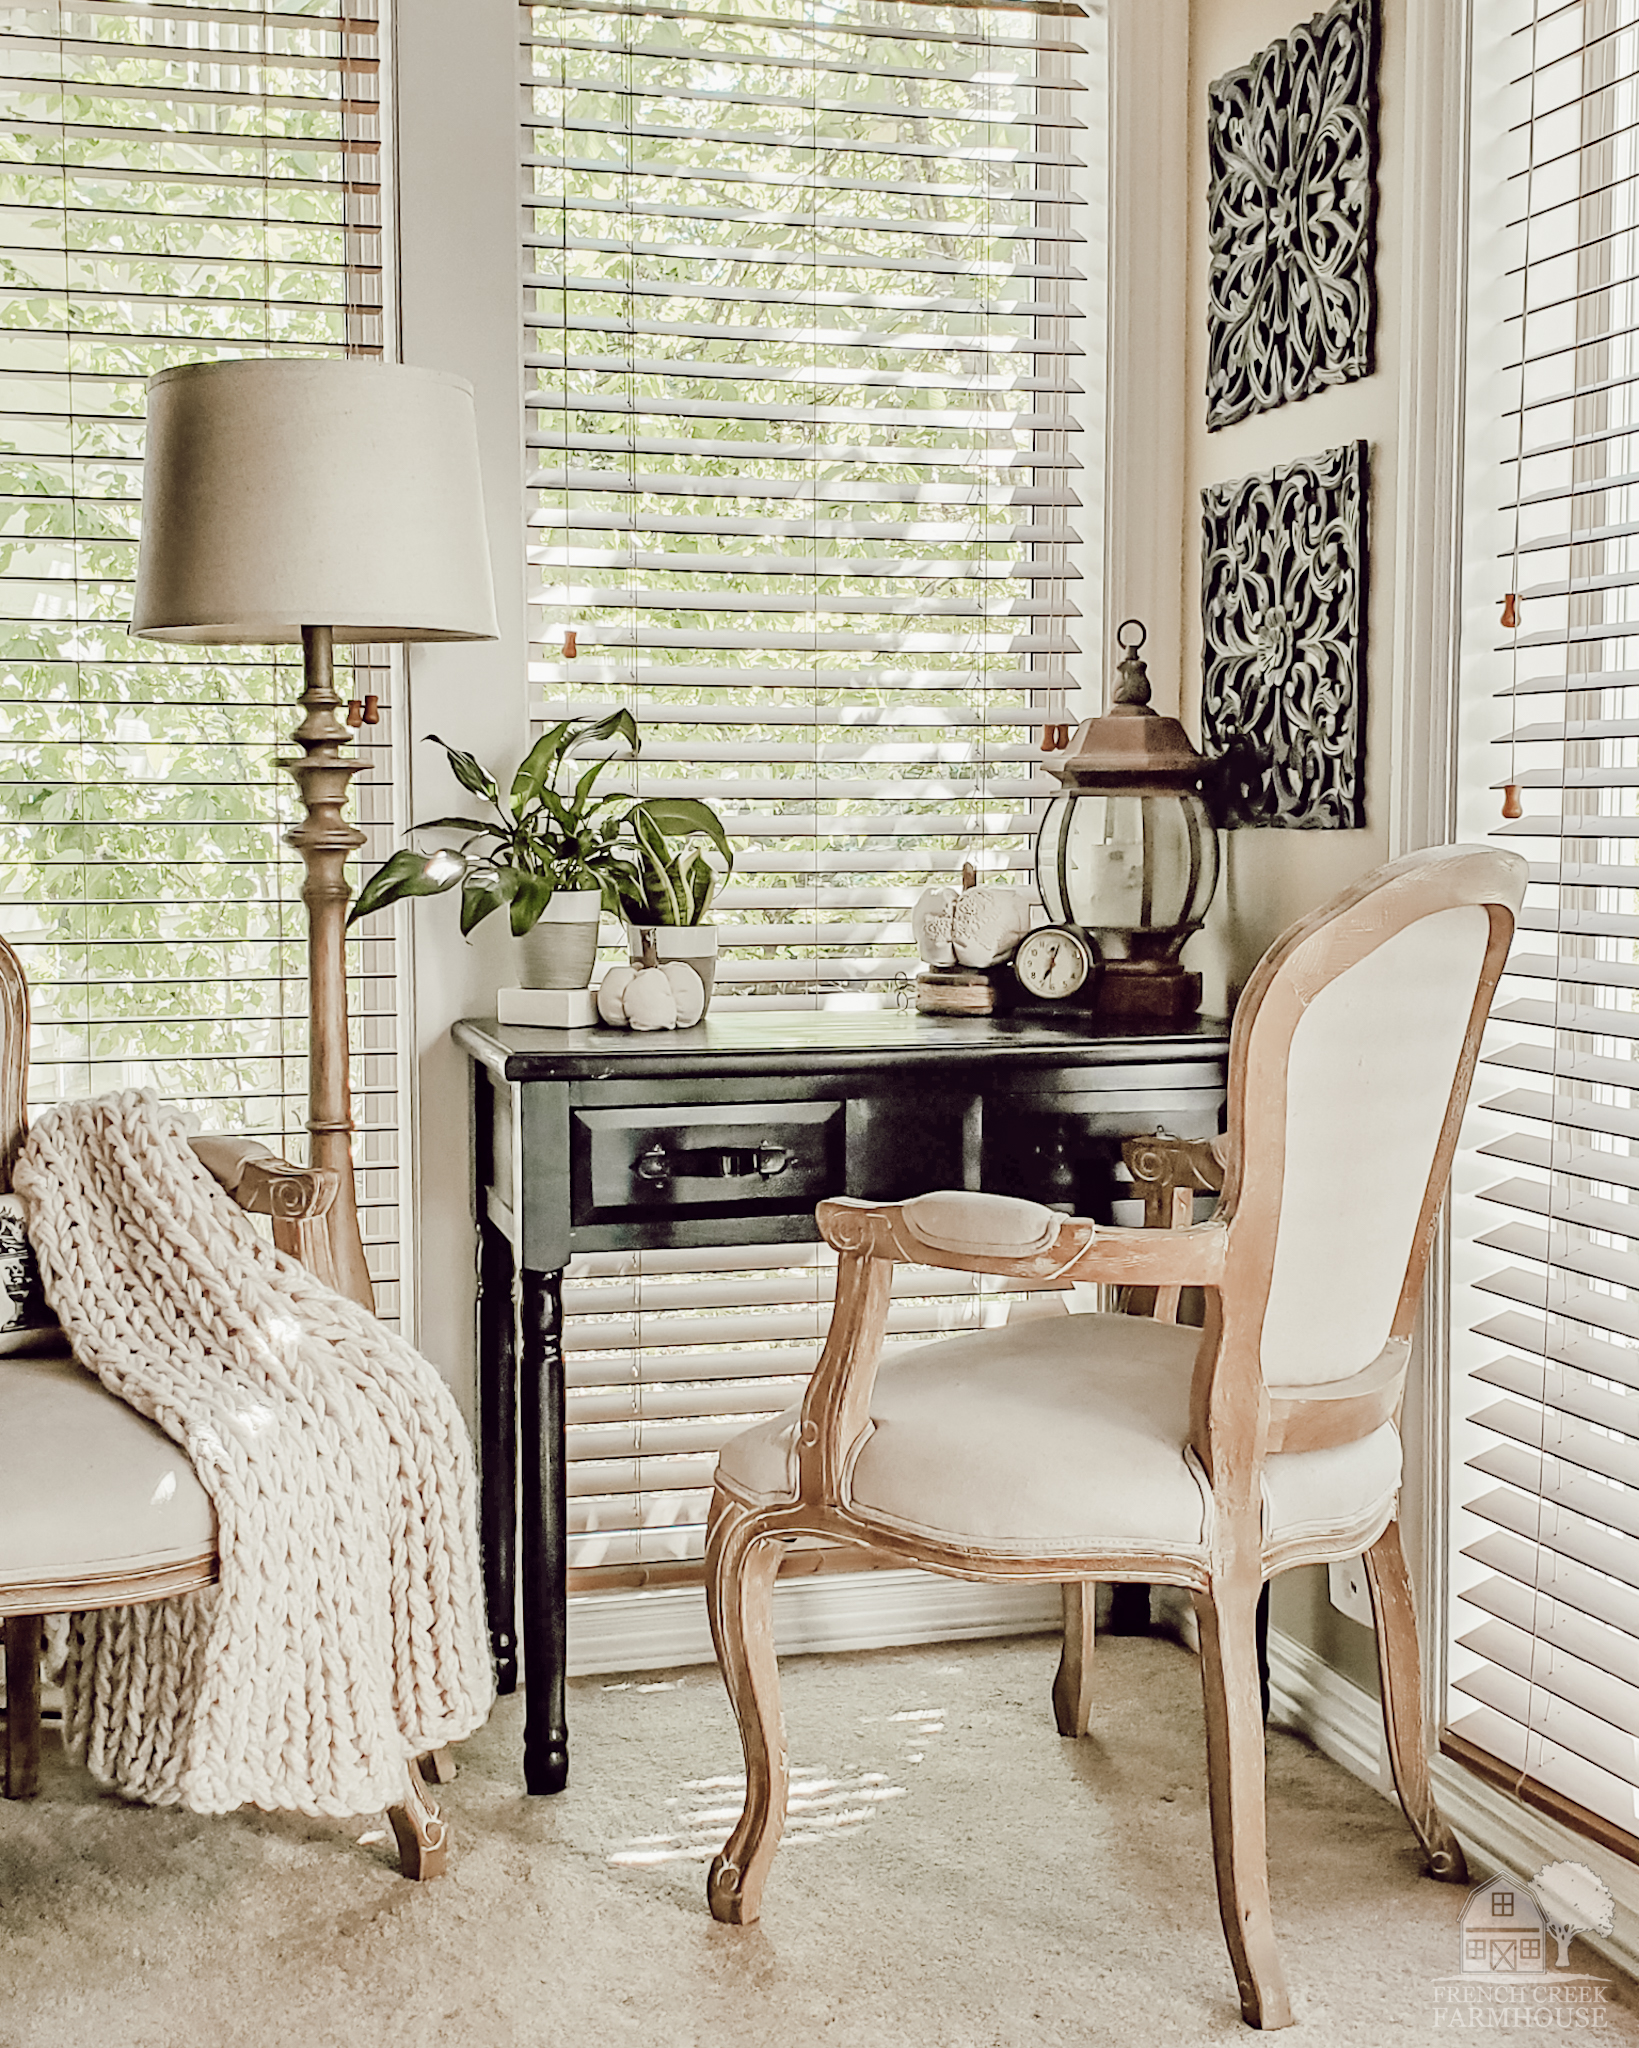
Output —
(1143, 635)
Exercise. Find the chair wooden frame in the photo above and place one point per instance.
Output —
(298, 1201)
(1236, 1420)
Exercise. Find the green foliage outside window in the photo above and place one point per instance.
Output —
(144, 222)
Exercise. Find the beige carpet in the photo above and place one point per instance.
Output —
(954, 1876)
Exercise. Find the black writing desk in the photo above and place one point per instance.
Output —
(730, 1133)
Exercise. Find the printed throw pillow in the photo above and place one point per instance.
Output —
(26, 1324)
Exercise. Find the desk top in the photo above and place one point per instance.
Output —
(823, 1041)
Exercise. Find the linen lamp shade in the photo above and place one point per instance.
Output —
(282, 494)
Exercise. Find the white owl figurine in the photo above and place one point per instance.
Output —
(988, 922)
(930, 926)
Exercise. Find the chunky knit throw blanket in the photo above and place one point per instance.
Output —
(347, 1631)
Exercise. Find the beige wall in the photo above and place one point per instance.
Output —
(1273, 877)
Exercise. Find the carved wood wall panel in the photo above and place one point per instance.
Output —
(1292, 138)
(1283, 605)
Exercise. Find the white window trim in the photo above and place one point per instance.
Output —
(459, 308)
(1146, 292)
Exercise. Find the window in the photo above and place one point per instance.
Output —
(1545, 1655)
(179, 182)
(807, 373)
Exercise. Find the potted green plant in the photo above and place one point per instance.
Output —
(665, 910)
(556, 852)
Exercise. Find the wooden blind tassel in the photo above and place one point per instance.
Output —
(1512, 807)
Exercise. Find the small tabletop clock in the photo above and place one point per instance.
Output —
(1057, 964)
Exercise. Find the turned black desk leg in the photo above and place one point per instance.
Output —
(1129, 1610)
(498, 1449)
(545, 1532)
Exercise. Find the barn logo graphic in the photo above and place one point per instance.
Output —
(1514, 1955)
(1501, 1931)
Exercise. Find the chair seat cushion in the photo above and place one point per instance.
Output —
(88, 1487)
(1068, 1435)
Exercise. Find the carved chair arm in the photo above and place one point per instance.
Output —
(973, 1233)
(1019, 1240)
(1161, 1166)
(263, 1184)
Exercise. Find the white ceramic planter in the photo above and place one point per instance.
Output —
(695, 943)
(561, 949)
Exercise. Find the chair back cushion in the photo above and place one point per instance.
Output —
(1359, 1044)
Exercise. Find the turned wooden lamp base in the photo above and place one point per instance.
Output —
(325, 839)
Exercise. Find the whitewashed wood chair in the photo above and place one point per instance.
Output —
(98, 1507)
(1081, 1448)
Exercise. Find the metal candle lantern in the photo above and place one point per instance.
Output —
(1129, 851)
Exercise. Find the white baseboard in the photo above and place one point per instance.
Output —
(845, 1611)
(1499, 1834)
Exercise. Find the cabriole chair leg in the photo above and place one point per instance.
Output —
(1400, 1670)
(741, 1565)
(1236, 1794)
(423, 1837)
(1073, 1686)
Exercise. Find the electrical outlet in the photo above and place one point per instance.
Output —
(1346, 1583)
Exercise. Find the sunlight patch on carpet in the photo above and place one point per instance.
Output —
(823, 1806)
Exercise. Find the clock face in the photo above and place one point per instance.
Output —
(1054, 961)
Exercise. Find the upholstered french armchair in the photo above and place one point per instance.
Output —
(98, 1507)
(1091, 1447)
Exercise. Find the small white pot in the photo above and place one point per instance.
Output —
(559, 952)
(695, 943)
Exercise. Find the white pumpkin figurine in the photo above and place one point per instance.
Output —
(988, 922)
(652, 997)
(930, 925)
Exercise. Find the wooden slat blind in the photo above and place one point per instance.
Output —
(807, 375)
(177, 182)
(1545, 1653)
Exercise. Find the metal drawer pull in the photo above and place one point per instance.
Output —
(728, 1163)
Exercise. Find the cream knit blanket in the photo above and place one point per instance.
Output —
(347, 1630)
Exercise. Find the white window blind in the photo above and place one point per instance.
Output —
(808, 375)
(1545, 1659)
(804, 383)
(177, 182)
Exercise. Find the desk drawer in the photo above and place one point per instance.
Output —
(747, 1158)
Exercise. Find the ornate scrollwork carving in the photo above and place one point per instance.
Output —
(1283, 604)
(1292, 203)
(289, 1194)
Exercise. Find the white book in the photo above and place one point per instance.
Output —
(553, 1009)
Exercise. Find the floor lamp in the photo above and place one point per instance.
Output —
(316, 501)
